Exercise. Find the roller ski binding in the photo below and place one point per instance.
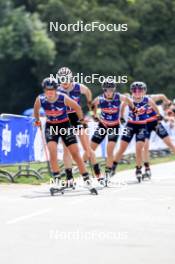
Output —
(88, 185)
(101, 181)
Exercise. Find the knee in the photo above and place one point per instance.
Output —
(66, 151)
(146, 146)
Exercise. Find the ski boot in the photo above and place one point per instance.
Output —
(70, 183)
(147, 174)
(101, 180)
(113, 170)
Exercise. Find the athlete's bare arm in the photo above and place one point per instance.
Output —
(127, 101)
(37, 106)
(154, 106)
(95, 104)
(160, 97)
(86, 91)
(72, 104)
(122, 111)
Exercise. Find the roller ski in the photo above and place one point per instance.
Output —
(147, 174)
(59, 189)
(139, 174)
(108, 175)
(61, 186)
(54, 190)
(70, 185)
(108, 179)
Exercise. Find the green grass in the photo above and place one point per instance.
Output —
(46, 177)
(123, 167)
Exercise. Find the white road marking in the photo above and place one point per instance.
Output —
(24, 217)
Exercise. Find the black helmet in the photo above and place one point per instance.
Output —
(49, 83)
(65, 75)
(108, 83)
(138, 85)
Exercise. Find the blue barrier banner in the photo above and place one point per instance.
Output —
(16, 140)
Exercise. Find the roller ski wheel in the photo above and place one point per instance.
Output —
(52, 191)
(144, 176)
(56, 190)
(102, 183)
(107, 179)
(106, 182)
(139, 178)
(139, 175)
(93, 191)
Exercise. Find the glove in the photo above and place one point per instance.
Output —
(89, 104)
(122, 120)
(159, 117)
(135, 110)
(95, 118)
(83, 123)
(37, 123)
(169, 104)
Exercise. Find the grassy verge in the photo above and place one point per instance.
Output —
(46, 177)
(153, 161)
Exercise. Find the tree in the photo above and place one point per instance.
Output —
(24, 49)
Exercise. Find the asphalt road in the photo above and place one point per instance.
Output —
(126, 223)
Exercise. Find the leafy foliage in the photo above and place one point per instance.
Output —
(29, 51)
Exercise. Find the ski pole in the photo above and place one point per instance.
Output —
(45, 149)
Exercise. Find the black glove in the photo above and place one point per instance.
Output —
(89, 104)
(95, 118)
(159, 117)
(83, 123)
(122, 120)
(169, 104)
(135, 110)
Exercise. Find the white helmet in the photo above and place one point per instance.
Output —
(65, 75)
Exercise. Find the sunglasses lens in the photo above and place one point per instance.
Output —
(137, 90)
(109, 90)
